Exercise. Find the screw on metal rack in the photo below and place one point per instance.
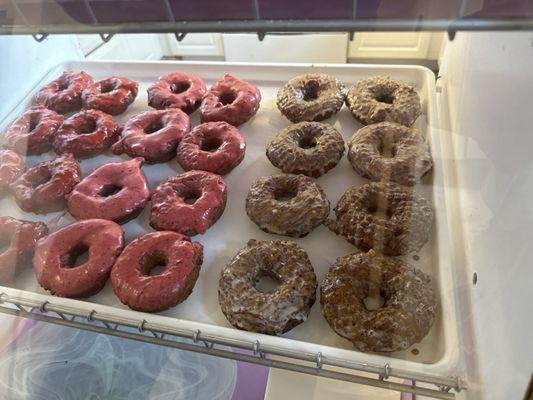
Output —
(140, 327)
(42, 307)
(261, 36)
(386, 372)
(39, 37)
(195, 336)
(351, 36)
(91, 315)
(319, 360)
(207, 344)
(180, 36)
(106, 37)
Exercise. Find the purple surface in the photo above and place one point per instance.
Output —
(392, 9)
(504, 9)
(52, 12)
(111, 11)
(251, 379)
(189, 10)
(313, 9)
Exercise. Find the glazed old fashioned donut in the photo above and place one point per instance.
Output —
(140, 290)
(86, 134)
(55, 257)
(64, 94)
(311, 97)
(309, 148)
(391, 152)
(43, 187)
(177, 90)
(216, 147)
(286, 204)
(381, 98)
(18, 239)
(112, 95)
(230, 99)
(33, 131)
(11, 167)
(115, 191)
(389, 218)
(274, 312)
(189, 203)
(153, 135)
(406, 315)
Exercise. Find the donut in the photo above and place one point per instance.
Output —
(406, 315)
(11, 167)
(43, 187)
(285, 204)
(17, 240)
(216, 147)
(33, 131)
(55, 257)
(153, 135)
(309, 148)
(189, 203)
(230, 99)
(311, 97)
(64, 94)
(177, 90)
(86, 134)
(115, 191)
(381, 98)
(112, 95)
(389, 218)
(273, 312)
(133, 278)
(391, 152)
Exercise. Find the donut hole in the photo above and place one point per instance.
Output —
(76, 257)
(190, 197)
(106, 87)
(267, 282)
(385, 97)
(109, 190)
(211, 144)
(155, 126)
(179, 87)
(285, 193)
(153, 264)
(39, 177)
(88, 125)
(33, 122)
(375, 302)
(62, 85)
(228, 97)
(5, 243)
(386, 149)
(307, 142)
(310, 90)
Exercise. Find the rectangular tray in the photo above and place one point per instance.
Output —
(438, 351)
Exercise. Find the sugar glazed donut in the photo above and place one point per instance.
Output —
(309, 148)
(285, 204)
(311, 97)
(43, 187)
(230, 99)
(64, 94)
(135, 284)
(153, 135)
(86, 134)
(177, 90)
(18, 239)
(216, 147)
(115, 191)
(112, 95)
(277, 311)
(381, 98)
(33, 131)
(386, 217)
(406, 315)
(391, 152)
(188, 203)
(11, 167)
(55, 257)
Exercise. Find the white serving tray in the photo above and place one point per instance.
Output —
(438, 351)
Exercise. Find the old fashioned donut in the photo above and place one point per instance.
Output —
(230, 99)
(309, 148)
(189, 203)
(11, 167)
(277, 311)
(286, 204)
(18, 239)
(177, 90)
(131, 275)
(216, 147)
(112, 95)
(43, 187)
(406, 315)
(55, 257)
(64, 94)
(311, 97)
(381, 98)
(391, 152)
(389, 218)
(153, 135)
(86, 134)
(33, 131)
(115, 191)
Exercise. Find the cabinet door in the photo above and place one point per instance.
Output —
(390, 45)
(196, 44)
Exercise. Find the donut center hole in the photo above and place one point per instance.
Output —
(190, 197)
(109, 190)
(5, 243)
(153, 127)
(179, 87)
(307, 142)
(211, 144)
(107, 87)
(39, 178)
(87, 126)
(311, 90)
(267, 282)
(78, 256)
(285, 193)
(154, 264)
(374, 302)
(34, 121)
(386, 149)
(62, 85)
(228, 98)
(385, 97)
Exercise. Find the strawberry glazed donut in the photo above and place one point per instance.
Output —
(33, 131)
(112, 95)
(177, 90)
(64, 94)
(153, 135)
(216, 147)
(55, 257)
(11, 167)
(230, 99)
(141, 290)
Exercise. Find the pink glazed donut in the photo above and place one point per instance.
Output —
(177, 90)
(11, 167)
(64, 94)
(112, 95)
